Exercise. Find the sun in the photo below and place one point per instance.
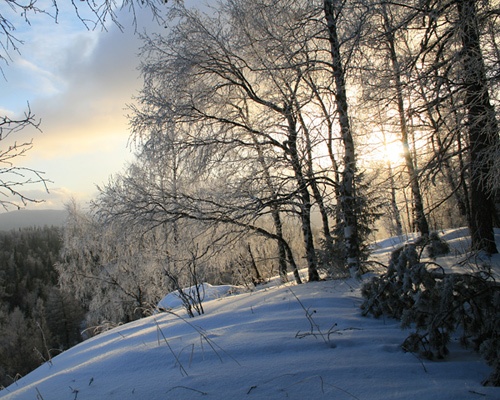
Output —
(393, 152)
(382, 147)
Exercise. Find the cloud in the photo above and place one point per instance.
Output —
(55, 199)
(38, 80)
(82, 83)
(97, 87)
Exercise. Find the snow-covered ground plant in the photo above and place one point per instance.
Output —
(436, 246)
(437, 303)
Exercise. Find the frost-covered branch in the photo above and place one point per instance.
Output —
(14, 178)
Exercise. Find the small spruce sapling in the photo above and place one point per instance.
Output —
(434, 303)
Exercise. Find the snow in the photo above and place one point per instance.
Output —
(258, 345)
(173, 299)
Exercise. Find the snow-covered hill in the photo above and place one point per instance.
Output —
(258, 345)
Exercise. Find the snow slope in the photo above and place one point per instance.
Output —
(258, 345)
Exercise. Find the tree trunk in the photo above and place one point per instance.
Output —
(420, 220)
(482, 129)
(305, 197)
(315, 190)
(328, 118)
(275, 213)
(258, 276)
(347, 187)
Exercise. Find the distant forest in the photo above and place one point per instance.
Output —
(37, 320)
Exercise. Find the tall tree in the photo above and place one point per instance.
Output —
(452, 51)
(238, 85)
(332, 11)
(482, 127)
(420, 219)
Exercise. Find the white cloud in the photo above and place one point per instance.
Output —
(79, 85)
(39, 81)
(55, 199)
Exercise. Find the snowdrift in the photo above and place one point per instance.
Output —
(295, 342)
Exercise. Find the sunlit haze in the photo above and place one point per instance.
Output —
(382, 148)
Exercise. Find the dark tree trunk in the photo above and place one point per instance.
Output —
(482, 129)
(275, 213)
(305, 197)
(316, 192)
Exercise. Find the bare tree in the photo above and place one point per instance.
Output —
(453, 52)
(333, 9)
(390, 41)
(482, 127)
(195, 212)
(229, 91)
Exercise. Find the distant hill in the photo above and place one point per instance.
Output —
(28, 218)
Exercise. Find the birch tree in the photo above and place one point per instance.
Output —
(333, 9)
(225, 94)
(482, 127)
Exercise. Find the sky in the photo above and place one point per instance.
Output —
(261, 344)
(78, 82)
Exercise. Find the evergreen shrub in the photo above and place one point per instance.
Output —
(436, 304)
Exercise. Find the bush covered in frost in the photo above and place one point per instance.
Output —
(435, 246)
(436, 304)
